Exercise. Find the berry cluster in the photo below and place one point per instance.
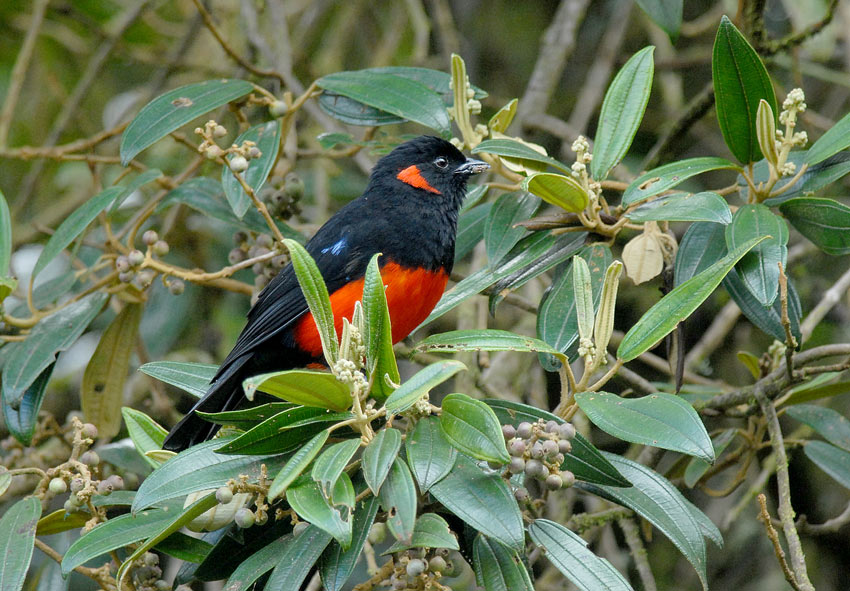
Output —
(147, 574)
(283, 196)
(130, 266)
(538, 450)
(249, 247)
(416, 568)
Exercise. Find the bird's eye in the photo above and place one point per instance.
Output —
(441, 162)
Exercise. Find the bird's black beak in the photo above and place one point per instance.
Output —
(472, 167)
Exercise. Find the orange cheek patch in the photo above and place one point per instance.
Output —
(411, 295)
(414, 178)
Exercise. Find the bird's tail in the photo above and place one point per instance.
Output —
(225, 393)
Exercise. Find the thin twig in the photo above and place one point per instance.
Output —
(638, 552)
(764, 517)
(830, 298)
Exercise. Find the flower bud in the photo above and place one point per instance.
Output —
(238, 164)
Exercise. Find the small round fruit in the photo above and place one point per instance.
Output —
(537, 450)
(523, 430)
(104, 487)
(160, 248)
(224, 495)
(277, 109)
(77, 485)
(516, 447)
(377, 533)
(569, 478)
(535, 469)
(150, 237)
(116, 481)
(564, 446)
(521, 495)
(551, 426)
(237, 255)
(516, 466)
(126, 276)
(219, 131)
(265, 241)
(509, 431)
(240, 237)
(550, 448)
(437, 564)
(238, 164)
(89, 430)
(57, 486)
(415, 567)
(567, 431)
(554, 482)
(90, 458)
(122, 264)
(136, 258)
(176, 287)
(244, 518)
(70, 507)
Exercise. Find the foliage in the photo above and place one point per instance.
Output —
(430, 475)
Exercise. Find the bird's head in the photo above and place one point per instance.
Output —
(429, 166)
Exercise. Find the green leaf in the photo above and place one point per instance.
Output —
(557, 189)
(677, 305)
(420, 384)
(500, 235)
(570, 555)
(472, 427)
(429, 455)
(835, 139)
(455, 341)
(698, 467)
(329, 465)
(267, 138)
(200, 468)
(193, 378)
(297, 559)
(660, 179)
(59, 521)
(146, 434)
(118, 532)
(184, 547)
(102, 389)
(380, 359)
(622, 111)
(316, 293)
(659, 502)
(684, 207)
(309, 387)
(667, 14)
(246, 418)
(832, 460)
(826, 222)
(814, 179)
(336, 565)
(16, 544)
(261, 562)
(5, 480)
(513, 149)
(378, 457)
(283, 432)
(759, 269)
(354, 112)
(526, 252)
(470, 229)
(703, 244)
(398, 499)
(660, 420)
(5, 238)
(27, 359)
(307, 500)
(174, 109)
(430, 531)
(740, 82)
(484, 501)
(557, 317)
(7, 286)
(297, 464)
(834, 427)
(21, 422)
(585, 461)
(499, 568)
(769, 320)
(134, 185)
(73, 226)
(814, 390)
(399, 96)
(438, 81)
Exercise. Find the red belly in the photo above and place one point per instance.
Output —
(411, 295)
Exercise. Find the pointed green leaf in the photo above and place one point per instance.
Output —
(455, 341)
(246, 418)
(834, 426)
(316, 293)
(420, 384)
(499, 568)
(378, 457)
(814, 179)
(814, 390)
(500, 235)
(684, 207)
(660, 420)
(514, 149)
(484, 501)
(831, 459)
(585, 461)
(769, 320)
(470, 229)
(703, 244)
(570, 554)
(826, 222)
(193, 378)
(398, 499)
(297, 464)
(184, 547)
(261, 562)
(5, 237)
(759, 269)
(403, 97)
(336, 565)
(835, 139)
(658, 180)
(622, 111)
(296, 560)
(667, 14)
(284, 431)
(146, 434)
(583, 296)
(267, 138)
(309, 387)
(677, 305)
(307, 500)
(472, 427)
(21, 422)
(174, 109)
(329, 465)
(430, 531)
(27, 359)
(17, 542)
(740, 82)
(429, 454)
(698, 467)
(557, 189)
(380, 359)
